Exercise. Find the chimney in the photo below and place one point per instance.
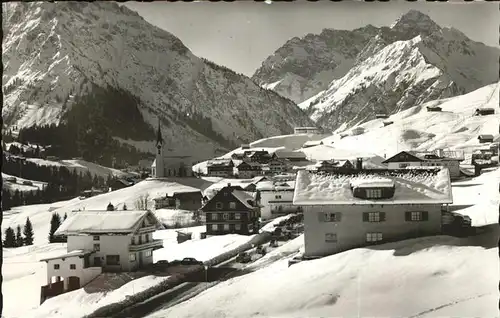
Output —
(359, 164)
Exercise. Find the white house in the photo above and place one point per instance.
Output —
(348, 210)
(171, 165)
(107, 240)
(276, 198)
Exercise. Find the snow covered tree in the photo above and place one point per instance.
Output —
(110, 207)
(65, 216)
(124, 207)
(10, 238)
(55, 222)
(29, 235)
(19, 237)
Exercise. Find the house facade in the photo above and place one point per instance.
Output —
(349, 210)
(190, 201)
(248, 170)
(276, 199)
(220, 168)
(406, 159)
(231, 211)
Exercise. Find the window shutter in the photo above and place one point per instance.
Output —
(321, 216)
(425, 216)
(382, 216)
(407, 216)
(365, 217)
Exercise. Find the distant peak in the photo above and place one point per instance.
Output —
(414, 18)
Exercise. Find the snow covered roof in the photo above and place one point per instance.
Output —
(84, 222)
(74, 253)
(419, 186)
(244, 197)
(290, 154)
(219, 162)
(275, 185)
(486, 136)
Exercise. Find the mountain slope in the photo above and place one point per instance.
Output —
(302, 67)
(202, 106)
(411, 62)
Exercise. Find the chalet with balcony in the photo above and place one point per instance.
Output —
(232, 211)
(406, 159)
(276, 199)
(348, 210)
(117, 241)
(247, 169)
(277, 166)
(220, 168)
(259, 156)
(183, 199)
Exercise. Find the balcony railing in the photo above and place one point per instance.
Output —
(147, 229)
(145, 245)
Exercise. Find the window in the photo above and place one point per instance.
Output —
(131, 257)
(113, 259)
(225, 216)
(403, 165)
(213, 227)
(133, 240)
(330, 237)
(416, 216)
(56, 266)
(72, 266)
(96, 238)
(237, 227)
(373, 193)
(218, 205)
(213, 216)
(237, 216)
(373, 216)
(373, 237)
(225, 194)
(97, 247)
(220, 227)
(146, 236)
(333, 217)
(277, 196)
(148, 253)
(232, 205)
(226, 227)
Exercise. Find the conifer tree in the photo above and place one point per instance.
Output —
(10, 238)
(55, 222)
(124, 207)
(65, 216)
(19, 237)
(29, 235)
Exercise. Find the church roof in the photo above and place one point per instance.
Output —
(159, 138)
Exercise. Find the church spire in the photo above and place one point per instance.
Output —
(159, 138)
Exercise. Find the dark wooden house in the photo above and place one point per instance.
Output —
(484, 111)
(434, 109)
(188, 200)
(220, 168)
(485, 138)
(231, 211)
(248, 169)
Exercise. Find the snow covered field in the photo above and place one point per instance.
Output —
(18, 185)
(454, 127)
(426, 277)
(81, 166)
(64, 306)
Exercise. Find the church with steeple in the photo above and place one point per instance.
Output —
(169, 166)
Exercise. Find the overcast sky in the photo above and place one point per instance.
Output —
(242, 35)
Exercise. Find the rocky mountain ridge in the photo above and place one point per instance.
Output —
(411, 62)
(56, 53)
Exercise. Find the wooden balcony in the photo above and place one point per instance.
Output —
(145, 245)
(147, 229)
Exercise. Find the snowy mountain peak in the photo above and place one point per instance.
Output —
(204, 107)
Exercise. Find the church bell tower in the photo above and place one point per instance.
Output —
(159, 170)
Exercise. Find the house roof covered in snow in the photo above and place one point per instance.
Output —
(486, 136)
(75, 253)
(290, 154)
(276, 186)
(415, 186)
(88, 222)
